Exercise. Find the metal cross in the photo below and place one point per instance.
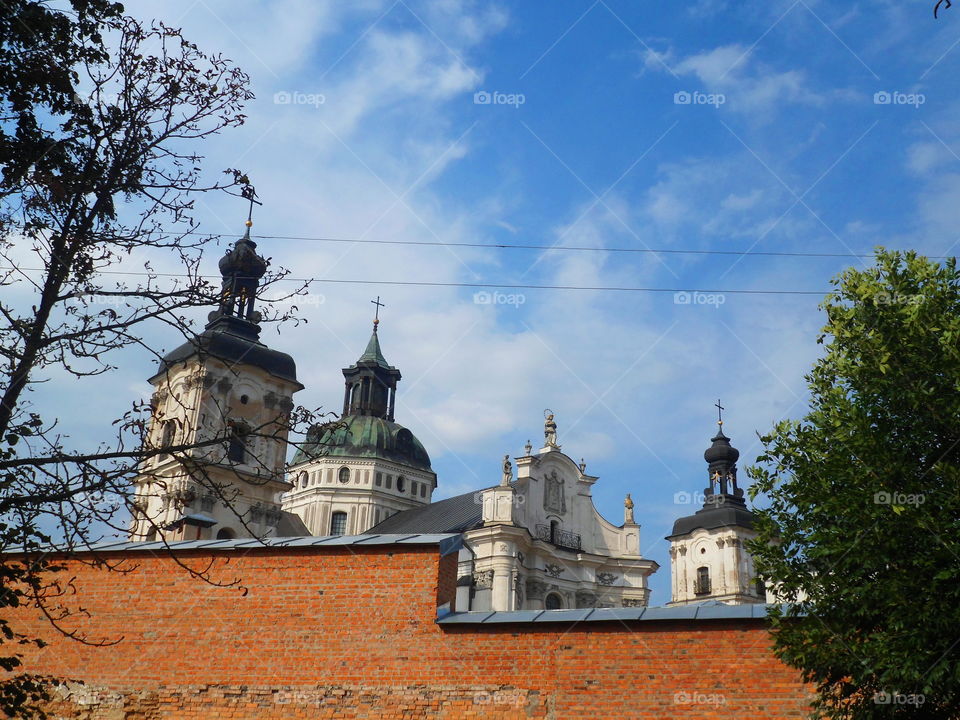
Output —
(720, 410)
(376, 316)
(250, 194)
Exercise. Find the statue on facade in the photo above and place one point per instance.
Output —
(553, 494)
(628, 509)
(507, 472)
(550, 430)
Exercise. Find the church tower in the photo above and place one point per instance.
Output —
(226, 388)
(357, 472)
(708, 558)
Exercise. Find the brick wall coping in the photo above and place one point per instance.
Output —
(447, 542)
(705, 611)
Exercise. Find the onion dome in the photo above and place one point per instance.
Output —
(232, 332)
(721, 451)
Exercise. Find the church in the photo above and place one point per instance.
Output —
(532, 537)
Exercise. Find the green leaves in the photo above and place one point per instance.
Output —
(864, 498)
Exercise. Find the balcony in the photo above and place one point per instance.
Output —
(560, 538)
(701, 587)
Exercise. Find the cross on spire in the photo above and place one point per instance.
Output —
(720, 410)
(250, 193)
(376, 315)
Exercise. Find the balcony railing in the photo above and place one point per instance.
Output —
(560, 538)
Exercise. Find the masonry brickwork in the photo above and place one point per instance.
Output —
(351, 633)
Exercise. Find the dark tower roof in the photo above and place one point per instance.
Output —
(232, 332)
(723, 505)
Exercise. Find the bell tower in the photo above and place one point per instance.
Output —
(371, 382)
(221, 406)
(708, 556)
(355, 473)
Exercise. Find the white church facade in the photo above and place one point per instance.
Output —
(532, 542)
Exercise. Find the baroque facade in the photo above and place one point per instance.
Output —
(538, 542)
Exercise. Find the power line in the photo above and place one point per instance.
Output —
(489, 285)
(576, 248)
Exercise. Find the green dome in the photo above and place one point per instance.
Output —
(365, 436)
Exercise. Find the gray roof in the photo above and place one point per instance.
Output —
(291, 525)
(700, 611)
(453, 515)
(710, 518)
(447, 543)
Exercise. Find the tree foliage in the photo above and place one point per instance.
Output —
(100, 120)
(863, 526)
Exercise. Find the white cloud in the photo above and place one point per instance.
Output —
(749, 86)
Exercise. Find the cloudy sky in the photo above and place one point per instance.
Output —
(604, 131)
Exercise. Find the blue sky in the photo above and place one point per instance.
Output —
(368, 125)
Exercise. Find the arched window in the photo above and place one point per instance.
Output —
(302, 478)
(225, 534)
(237, 444)
(338, 523)
(702, 586)
(401, 483)
(553, 601)
(168, 433)
(344, 475)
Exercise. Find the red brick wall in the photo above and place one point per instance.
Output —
(350, 633)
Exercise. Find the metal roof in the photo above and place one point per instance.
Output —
(447, 543)
(453, 515)
(711, 611)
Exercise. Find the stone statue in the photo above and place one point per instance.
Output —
(528, 448)
(628, 509)
(507, 472)
(553, 494)
(550, 431)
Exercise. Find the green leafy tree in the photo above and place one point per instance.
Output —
(862, 532)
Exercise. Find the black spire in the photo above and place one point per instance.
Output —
(241, 269)
(721, 458)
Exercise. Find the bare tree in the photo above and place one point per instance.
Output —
(100, 119)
